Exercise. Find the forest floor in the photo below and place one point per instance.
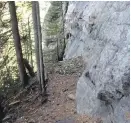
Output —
(61, 104)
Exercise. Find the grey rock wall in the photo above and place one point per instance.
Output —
(100, 32)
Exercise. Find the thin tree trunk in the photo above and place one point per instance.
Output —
(38, 44)
(24, 47)
(31, 54)
(36, 40)
(63, 31)
(57, 49)
(16, 36)
(30, 43)
(42, 74)
(1, 113)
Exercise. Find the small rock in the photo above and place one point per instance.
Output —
(31, 121)
(64, 90)
(71, 97)
(75, 112)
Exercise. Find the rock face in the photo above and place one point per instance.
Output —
(53, 32)
(100, 32)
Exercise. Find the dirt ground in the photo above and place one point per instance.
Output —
(61, 102)
(59, 108)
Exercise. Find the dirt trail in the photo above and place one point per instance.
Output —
(61, 104)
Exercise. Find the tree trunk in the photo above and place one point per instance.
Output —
(38, 46)
(42, 74)
(31, 53)
(27, 50)
(63, 31)
(34, 15)
(1, 113)
(22, 39)
(30, 42)
(57, 49)
(16, 36)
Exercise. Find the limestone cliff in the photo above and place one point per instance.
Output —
(100, 33)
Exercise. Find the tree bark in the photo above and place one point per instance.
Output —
(17, 43)
(57, 49)
(30, 42)
(1, 113)
(34, 15)
(38, 46)
(63, 31)
(42, 74)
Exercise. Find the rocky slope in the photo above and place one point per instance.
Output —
(100, 33)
